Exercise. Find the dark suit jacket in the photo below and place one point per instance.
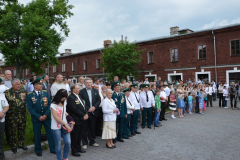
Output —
(96, 100)
(154, 92)
(75, 109)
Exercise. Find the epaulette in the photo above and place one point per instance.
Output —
(30, 92)
(44, 90)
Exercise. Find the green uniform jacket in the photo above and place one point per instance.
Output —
(121, 104)
(157, 102)
(38, 106)
(16, 101)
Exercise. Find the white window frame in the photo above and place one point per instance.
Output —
(202, 49)
(26, 72)
(174, 54)
(97, 64)
(149, 58)
(54, 69)
(63, 67)
(73, 66)
(46, 70)
(84, 65)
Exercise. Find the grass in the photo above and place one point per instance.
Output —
(28, 133)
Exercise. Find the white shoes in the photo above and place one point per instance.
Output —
(225, 107)
(95, 145)
(190, 113)
(173, 117)
(84, 147)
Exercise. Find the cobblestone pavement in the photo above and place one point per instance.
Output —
(214, 135)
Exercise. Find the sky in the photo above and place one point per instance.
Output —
(97, 20)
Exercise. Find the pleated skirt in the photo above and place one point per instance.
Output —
(109, 130)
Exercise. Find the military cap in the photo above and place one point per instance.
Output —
(169, 84)
(37, 80)
(22, 80)
(125, 90)
(117, 83)
(165, 84)
(134, 85)
(145, 86)
(44, 76)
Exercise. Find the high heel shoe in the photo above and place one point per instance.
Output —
(114, 146)
(108, 146)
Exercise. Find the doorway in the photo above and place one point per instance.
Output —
(174, 78)
(233, 77)
(150, 78)
(203, 76)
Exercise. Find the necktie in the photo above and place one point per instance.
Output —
(129, 102)
(147, 96)
(118, 96)
(136, 97)
(39, 94)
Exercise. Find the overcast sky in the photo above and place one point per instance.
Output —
(97, 20)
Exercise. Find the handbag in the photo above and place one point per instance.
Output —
(70, 125)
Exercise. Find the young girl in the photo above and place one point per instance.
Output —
(201, 99)
(190, 104)
(225, 94)
(172, 107)
(157, 108)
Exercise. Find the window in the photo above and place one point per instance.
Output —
(14, 73)
(97, 63)
(46, 70)
(26, 72)
(150, 57)
(202, 52)
(84, 65)
(174, 55)
(63, 67)
(235, 48)
(54, 69)
(73, 66)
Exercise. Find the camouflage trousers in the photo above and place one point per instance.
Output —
(16, 124)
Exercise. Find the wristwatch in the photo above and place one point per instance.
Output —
(3, 112)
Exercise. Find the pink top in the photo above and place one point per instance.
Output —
(172, 97)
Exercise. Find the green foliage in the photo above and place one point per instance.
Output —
(122, 59)
(28, 34)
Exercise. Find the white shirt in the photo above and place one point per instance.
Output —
(8, 83)
(143, 99)
(146, 82)
(3, 88)
(55, 87)
(107, 108)
(227, 86)
(209, 90)
(54, 124)
(130, 105)
(167, 91)
(225, 92)
(3, 103)
(68, 88)
(134, 100)
(163, 95)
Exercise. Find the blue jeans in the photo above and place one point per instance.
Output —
(214, 96)
(190, 107)
(156, 118)
(57, 134)
(224, 101)
(183, 111)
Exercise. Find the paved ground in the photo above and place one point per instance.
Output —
(214, 135)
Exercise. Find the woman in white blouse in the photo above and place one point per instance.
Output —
(110, 110)
(220, 93)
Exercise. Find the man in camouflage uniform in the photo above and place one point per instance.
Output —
(16, 116)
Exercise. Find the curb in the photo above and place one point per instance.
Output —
(9, 155)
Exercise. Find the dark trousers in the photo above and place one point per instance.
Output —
(126, 128)
(76, 136)
(134, 121)
(37, 135)
(153, 113)
(220, 99)
(197, 106)
(88, 132)
(209, 99)
(120, 127)
(148, 112)
(224, 101)
(214, 96)
(6, 133)
(232, 97)
(2, 127)
(163, 110)
(98, 129)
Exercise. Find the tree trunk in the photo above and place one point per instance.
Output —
(19, 70)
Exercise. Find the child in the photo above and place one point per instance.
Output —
(225, 94)
(157, 108)
(190, 104)
(172, 107)
(200, 100)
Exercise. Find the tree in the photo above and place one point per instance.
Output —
(28, 34)
(121, 59)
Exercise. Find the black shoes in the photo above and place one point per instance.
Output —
(121, 140)
(164, 119)
(137, 132)
(23, 147)
(156, 125)
(39, 154)
(82, 151)
(125, 138)
(143, 127)
(53, 152)
(14, 150)
(109, 147)
(114, 141)
(132, 133)
(76, 154)
(149, 127)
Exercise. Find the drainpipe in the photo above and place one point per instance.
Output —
(103, 67)
(215, 57)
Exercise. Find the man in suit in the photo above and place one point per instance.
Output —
(76, 108)
(92, 101)
(38, 103)
(120, 102)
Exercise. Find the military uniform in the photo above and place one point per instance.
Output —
(120, 102)
(16, 116)
(39, 105)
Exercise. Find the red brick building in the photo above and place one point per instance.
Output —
(182, 55)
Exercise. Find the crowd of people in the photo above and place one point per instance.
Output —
(78, 112)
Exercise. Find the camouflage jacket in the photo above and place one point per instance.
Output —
(16, 100)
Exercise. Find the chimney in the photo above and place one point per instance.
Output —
(174, 30)
(67, 52)
(107, 43)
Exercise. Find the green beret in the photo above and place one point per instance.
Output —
(37, 80)
(22, 80)
(117, 83)
(169, 84)
(44, 76)
(125, 90)
(134, 85)
(145, 86)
